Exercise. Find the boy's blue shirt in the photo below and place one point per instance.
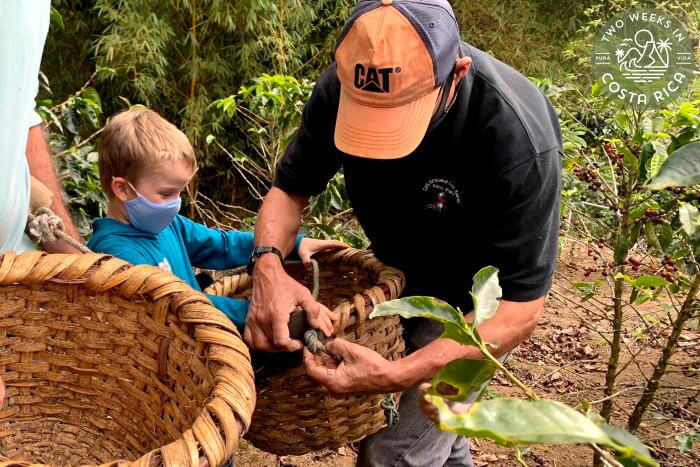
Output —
(180, 246)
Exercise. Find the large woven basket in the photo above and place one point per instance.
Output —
(295, 415)
(112, 364)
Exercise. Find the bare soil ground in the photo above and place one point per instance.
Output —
(565, 360)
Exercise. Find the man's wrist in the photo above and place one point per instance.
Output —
(399, 376)
(267, 261)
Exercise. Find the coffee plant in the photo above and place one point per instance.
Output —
(506, 421)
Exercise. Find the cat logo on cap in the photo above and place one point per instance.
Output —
(373, 79)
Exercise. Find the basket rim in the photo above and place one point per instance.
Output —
(390, 284)
(101, 273)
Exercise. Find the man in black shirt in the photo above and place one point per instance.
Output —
(452, 162)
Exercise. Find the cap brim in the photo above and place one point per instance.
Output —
(382, 132)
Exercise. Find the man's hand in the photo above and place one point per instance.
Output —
(41, 166)
(275, 296)
(359, 371)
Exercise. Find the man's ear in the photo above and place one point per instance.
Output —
(462, 66)
(120, 188)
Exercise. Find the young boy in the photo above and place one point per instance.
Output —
(145, 163)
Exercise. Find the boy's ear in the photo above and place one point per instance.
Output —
(120, 188)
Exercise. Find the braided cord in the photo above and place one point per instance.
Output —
(46, 227)
(389, 405)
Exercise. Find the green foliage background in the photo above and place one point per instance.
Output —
(235, 74)
(178, 57)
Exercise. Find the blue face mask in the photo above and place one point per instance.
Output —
(151, 217)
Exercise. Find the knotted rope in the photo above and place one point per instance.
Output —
(46, 227)
(389, 405)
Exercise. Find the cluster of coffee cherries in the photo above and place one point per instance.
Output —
(634, 262)
(656, 216)
(676, 190)
(588, 175)
(669, 267)
(615, 157)
(600, 243)
(591, 252)
(591, 269)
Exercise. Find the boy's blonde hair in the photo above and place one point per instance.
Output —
(134, 141)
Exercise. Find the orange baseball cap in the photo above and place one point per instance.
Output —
(392, 58)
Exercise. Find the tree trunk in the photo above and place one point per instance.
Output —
(684, 314)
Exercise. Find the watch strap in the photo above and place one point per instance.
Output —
(258, 251)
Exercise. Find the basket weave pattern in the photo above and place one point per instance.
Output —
(294, 414)
(104, 361)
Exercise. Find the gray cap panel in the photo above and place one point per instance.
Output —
(436, 23)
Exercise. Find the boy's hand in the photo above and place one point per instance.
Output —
(309, 246)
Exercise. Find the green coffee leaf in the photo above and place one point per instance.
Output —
(682, 168)
(631, 446)
(512, 422)
(466, 376)
(685, 442)
(649, 281)
(541, 421)
(432, 308)
(586, 290)
(657, 160)
(621, 249)
(70, 116)
(485, 294)
(690, 219)
(56, 18)
(92, 95)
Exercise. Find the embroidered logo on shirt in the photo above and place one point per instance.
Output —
(441, 194)
(165, 266)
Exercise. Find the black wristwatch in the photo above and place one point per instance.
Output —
(258, 251)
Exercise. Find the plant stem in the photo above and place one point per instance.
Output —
(685, 313)
(613, 361)
(614, 358)
(528, 392)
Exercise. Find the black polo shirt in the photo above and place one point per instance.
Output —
(483, 188)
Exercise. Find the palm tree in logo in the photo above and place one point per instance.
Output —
(662, 49)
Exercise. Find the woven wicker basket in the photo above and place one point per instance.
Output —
(295, 415)
(104, 361)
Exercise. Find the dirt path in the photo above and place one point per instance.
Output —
(565, 360)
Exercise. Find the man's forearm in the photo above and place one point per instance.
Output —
(512, 324)
(42, 168)
(278, 220)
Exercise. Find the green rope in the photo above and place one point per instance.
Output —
(313, 342)
(389, 405)
(391, 409)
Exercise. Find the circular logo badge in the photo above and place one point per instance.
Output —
(643, 58)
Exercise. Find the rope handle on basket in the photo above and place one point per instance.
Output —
(297, 319)
(316, 343)
(46, 227)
